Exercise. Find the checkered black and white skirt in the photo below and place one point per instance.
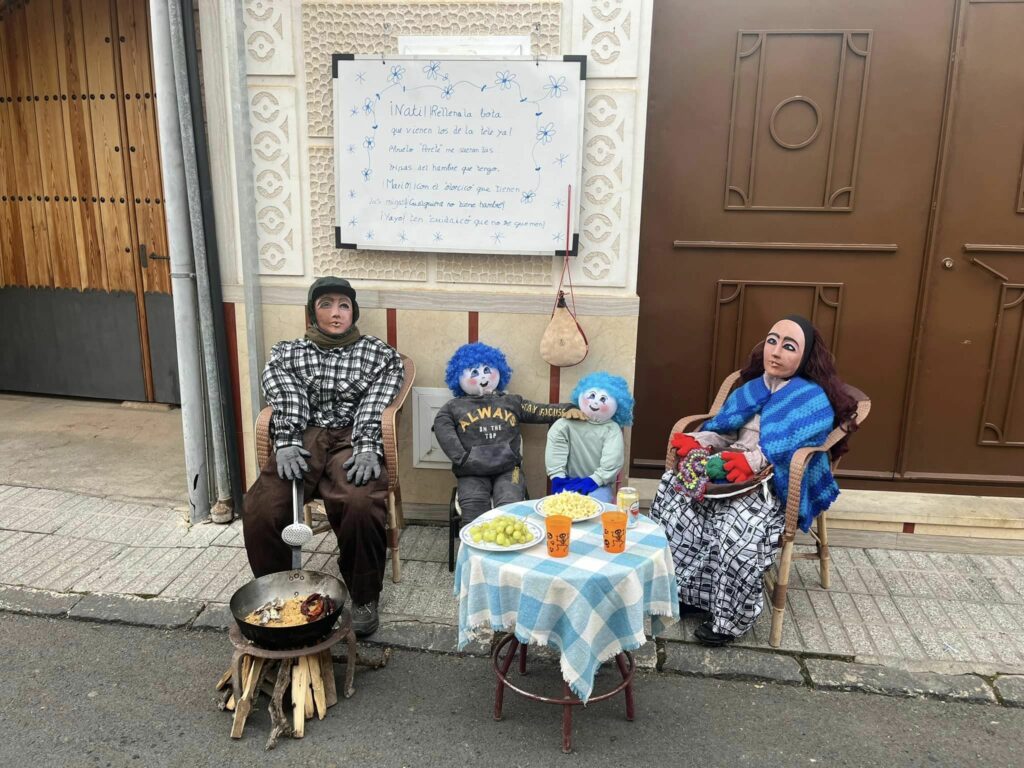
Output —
(721, 549)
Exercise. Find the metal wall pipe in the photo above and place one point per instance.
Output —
(212, 258)
(183, 287)
(221, 511)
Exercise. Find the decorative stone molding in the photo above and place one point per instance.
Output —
(607, 178)
(328, 260)
(608, 31)
(374, 27)
(268, 37)
(496, 270)
(275, 156)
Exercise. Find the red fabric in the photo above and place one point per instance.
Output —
(737, 468)
(684, 443)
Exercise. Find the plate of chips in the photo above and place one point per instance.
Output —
(575, 506)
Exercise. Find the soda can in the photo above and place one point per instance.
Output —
(628, 501)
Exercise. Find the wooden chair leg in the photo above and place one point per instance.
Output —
(779, 595)
(393, 534)
(307, 514)
(823, 550)
(399, 512)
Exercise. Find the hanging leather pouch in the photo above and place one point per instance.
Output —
(564, 343)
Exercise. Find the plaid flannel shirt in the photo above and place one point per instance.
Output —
(334, 388)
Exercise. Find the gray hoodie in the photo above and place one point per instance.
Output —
(480, 433)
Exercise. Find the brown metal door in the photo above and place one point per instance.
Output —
(790, 162)
(77, 138)
(967, 410)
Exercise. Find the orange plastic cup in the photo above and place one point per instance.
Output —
(614, 531)
(558, 527)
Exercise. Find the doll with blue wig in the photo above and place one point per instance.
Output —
(587, 456)
(478, 429)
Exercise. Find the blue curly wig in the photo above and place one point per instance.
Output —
(615, 386)
(473, 354)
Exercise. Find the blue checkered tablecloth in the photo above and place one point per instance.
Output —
(591, 605)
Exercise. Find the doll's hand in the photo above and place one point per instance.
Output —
(737, 468)
(575, 413)
(684, 443)
(361, 467)
(558, 484)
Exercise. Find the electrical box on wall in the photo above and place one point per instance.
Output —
(426, 402)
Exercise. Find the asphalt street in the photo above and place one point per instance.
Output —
(84, 694)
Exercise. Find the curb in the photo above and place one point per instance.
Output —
(682, 659)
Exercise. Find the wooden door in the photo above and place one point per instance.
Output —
(79, 192)
(790, 161)
(967, 409)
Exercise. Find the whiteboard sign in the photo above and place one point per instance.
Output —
(470, 155)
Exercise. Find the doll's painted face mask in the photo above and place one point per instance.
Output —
(597, 405)
(784, 349)
(479, 380)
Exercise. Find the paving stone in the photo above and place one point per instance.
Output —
(425, 542)
(1011, 690)
(1004, 618)
(908, 644)
(895, 582)
(214, 616)
(215, 571)
(868, 609)
(883, 640)
(121, 609)
(56, 562)
(36, 603)
(981, 616)
(732, 663)
(837, 675)
(139, 571)
(935, 612)
(860, 639)
(954, 643)
(230, 535)
(873, 583)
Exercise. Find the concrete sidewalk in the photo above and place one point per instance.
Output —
(900, 622)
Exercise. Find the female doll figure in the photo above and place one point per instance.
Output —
(587, 456)
(790, 398)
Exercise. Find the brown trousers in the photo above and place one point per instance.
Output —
(358, 514)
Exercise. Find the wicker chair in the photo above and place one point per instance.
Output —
(776, 585)
(316, 518)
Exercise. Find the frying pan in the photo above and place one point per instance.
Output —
(287, 584)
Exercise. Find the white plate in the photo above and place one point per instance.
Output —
(536, 530)
(599, 507)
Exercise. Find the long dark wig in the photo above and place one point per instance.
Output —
(821, 369)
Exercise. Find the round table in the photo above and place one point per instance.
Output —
(590, 605)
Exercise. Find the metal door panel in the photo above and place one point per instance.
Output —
(967, 409)
(833, 205)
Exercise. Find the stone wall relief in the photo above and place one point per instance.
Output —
(275, 156)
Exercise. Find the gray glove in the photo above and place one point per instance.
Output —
(362, 466)
(291, 462)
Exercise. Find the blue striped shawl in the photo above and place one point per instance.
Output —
(797, 416)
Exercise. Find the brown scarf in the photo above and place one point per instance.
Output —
(329, 341)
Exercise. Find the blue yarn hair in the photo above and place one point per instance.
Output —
(615, 386)
(476, 353)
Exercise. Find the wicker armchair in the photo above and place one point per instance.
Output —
(776, 585)
(316, 518)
